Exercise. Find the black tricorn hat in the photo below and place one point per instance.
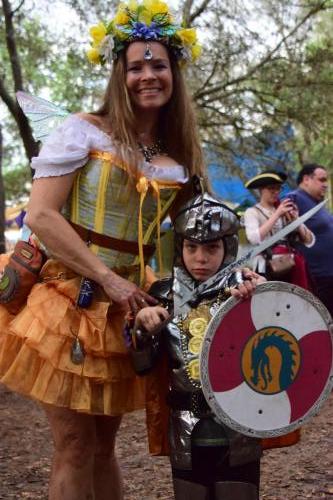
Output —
(266, 178)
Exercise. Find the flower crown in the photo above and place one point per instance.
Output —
(149, 20)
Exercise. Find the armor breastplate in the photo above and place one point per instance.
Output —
(186, 334)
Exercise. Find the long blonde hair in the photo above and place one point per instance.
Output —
(176, 126)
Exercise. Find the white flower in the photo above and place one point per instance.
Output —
(106, 48)
(186, 54)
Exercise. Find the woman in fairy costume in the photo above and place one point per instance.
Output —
(103, 181)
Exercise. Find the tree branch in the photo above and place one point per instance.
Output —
(199, 11)
(17, 8)
(189, 18)
(201, 90)
(11, 46)
(7, 98)
(317, 8)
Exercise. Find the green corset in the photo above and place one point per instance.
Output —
(104, 200)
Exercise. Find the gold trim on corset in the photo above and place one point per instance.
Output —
(143, 185)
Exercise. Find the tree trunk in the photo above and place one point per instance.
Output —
(2, 203)
(30, 145)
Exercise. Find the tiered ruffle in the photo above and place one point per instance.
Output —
(280, 442)
(35, 349)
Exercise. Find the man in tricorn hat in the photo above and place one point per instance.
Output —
(209, 460)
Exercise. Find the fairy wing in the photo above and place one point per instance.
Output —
(42, 114)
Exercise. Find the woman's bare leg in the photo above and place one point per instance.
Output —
(74, 439)
(107, 475)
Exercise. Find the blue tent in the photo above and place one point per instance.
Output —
(232, 188)
(229, 188)
(270, 149)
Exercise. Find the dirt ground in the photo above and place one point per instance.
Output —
(299, 472)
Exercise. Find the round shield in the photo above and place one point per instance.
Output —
(266, 362)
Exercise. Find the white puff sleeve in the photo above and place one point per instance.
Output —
(252, 226)
(65, 150)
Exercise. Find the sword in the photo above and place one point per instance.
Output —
(186, 295)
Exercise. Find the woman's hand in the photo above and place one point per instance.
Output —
(293, 214)
(246, 289)
(126, 294)
(287, 209)
(150, 318)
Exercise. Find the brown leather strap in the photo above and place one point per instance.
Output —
(102, 240)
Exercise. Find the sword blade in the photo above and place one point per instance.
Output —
(192, 294)
(287, 229)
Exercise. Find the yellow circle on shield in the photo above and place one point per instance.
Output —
(271, 360)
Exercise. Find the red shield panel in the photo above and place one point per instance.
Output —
(266, 364)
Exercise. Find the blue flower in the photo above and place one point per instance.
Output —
(141, 30)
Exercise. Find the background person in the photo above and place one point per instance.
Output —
(267, 218)
(263, 220)
(312, 183)
(103, 178)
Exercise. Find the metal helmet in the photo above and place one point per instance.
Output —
(205, 218)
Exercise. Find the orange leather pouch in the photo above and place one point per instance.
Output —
(20, 274)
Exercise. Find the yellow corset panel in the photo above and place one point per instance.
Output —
(104, 200)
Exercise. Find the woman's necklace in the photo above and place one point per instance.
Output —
(149, 152)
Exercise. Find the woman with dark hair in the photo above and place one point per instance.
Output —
(103, 182)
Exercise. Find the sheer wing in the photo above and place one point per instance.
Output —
(42, 114)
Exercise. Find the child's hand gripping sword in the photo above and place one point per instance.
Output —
(184, 295)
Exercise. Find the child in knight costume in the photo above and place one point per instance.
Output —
(209, 460)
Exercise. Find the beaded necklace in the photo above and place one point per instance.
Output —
(149, 152)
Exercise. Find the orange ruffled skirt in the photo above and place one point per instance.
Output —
(35, 348)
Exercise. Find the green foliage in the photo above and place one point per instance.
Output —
(297, 87)
(257, 70)
(33, 41)
(52, 66)
(16, 183)
(264, 63)
(71, 88)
